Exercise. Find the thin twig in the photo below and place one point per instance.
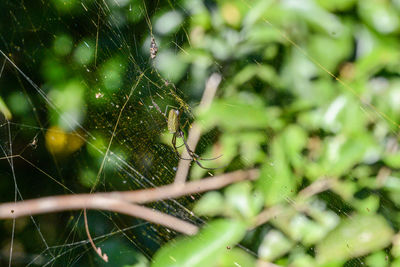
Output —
(105, 201)
(195, 131)
(98, 250)
(316, 187)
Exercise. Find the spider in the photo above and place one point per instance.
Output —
(174, 127)
(153, 48)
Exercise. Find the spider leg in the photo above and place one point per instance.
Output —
(180, 133)
(194, 156)
(200, 158)
(179, 146)
(175, 148)
(158, 109)
(191, 152)
(206, 168)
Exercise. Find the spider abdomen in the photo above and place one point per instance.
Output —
(173, 121)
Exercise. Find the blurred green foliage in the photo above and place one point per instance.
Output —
(310, 95)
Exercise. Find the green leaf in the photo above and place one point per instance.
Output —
(395, 263)
(69, 99)
(18, 104)
(264, 72)
(377, 259)
(346, 189)
(339, 48)
(234, 114)
(392, 160)
(168, 22)
(236, 257)
(170, 65)
(302, 260)
(370, 10)
(63, 45)
(337, 5)
(111, 73)
(367, 205)
(4, 109)
(210, 204)
(274, 244)
(343, 152)
(203, 249)
(276, 181)
(355, 236)
(295, 140)
(84, 52)
(257, 13)
(250, 146)
(243, 202)
(316, 17)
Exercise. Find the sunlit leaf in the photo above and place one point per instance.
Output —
(171, 65)
(84, 52)
(355, 236)
(242, 201)
(210, 204)
(236, 257)
(378, 258)
(276, 180)
(380, 15)
(392, 160)
(247, 111)
(168, 22)
(295, 139)
(274, 244)
(4, 109)
(203, 249)
(337, 5)
(111, 73)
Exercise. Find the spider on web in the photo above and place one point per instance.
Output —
(174, 127)
(153, 48)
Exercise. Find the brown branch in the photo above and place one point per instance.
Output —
(195, 130)
(113, 201)
(98, 203)
(154, 216)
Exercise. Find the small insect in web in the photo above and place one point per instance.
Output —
(34, 142)
(174, 127)
(153, 48)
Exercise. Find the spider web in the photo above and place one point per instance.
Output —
(119, 126)
(127, 150)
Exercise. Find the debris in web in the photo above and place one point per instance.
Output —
(153, 48)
